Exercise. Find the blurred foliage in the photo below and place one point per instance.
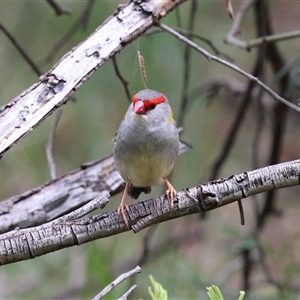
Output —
(214, 293)
(185, 255)
(158, 292)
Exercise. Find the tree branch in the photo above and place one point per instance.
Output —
(229, 65)
(54, 88)
(60, 196)
(117, 281)
(57, 8)
(266, 39)
(22, 244)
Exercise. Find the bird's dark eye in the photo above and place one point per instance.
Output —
(152, 106)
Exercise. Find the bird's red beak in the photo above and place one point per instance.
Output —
(139, 108)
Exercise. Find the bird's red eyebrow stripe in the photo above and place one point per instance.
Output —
(156, 100)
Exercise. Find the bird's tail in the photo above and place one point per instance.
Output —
(134, 192)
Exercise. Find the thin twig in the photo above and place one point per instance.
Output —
(117, 281)
(49, 146)
(229, 65)
(191, 34)
(230, 9)
(235, 28)
(23, 53)
(81, 21)
(266, 39)
(279, 111)
(58, 9)
(146, 243)
(125, 295)
(99, 201)
(187, 65)
(238, 120)
(124, 82)
(241, 210)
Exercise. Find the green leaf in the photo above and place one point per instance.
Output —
(214, 293)
(158, 292)
(242, 294)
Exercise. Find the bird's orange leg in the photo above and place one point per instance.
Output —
(123, 205)
(170, 192)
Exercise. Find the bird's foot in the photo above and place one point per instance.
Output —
(121, 212)
(123, 207)
(170, 193)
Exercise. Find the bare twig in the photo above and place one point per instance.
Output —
(260, 120)
(124, 82)
(187, 65)
(146, 243)
(238, 120)
(241, 210)
(58, 9)
(81, 21)
(125, 295)
(234, 30)
(229, 65)
(192, 34)
(117, 281)
(266, 39)
(272, 38)
(49, 146)
(276, 61)
(230, 8)
(20, 49)
(98, 202)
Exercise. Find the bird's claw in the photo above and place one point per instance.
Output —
(171, 194)
(121, 212)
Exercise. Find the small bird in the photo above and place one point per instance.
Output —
(146, 146)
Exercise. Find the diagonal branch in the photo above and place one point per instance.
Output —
(21, 50)
(58, 9)
(60, 196)
(22, 244)
(54, 88)
(229, 65)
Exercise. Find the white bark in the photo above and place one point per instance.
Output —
(54, 88)
(59, 196)
(22, 244)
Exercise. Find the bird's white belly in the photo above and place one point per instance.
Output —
(147, 170)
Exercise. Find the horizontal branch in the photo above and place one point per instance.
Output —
(60, 196)
(22, 244)
(55, 87)
(235, 30)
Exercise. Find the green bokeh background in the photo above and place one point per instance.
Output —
(208, 254)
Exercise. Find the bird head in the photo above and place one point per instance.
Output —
(147, 100)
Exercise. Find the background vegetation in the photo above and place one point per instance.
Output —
(188, 254)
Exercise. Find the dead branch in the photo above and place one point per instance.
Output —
(22, 244)
(59, 196)
(58, 9)
(229, 65)
(232, 38)
(117, 281)
(54, 88)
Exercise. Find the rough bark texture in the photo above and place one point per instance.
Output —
(59, 196)
(54, 88)
(22, 244)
